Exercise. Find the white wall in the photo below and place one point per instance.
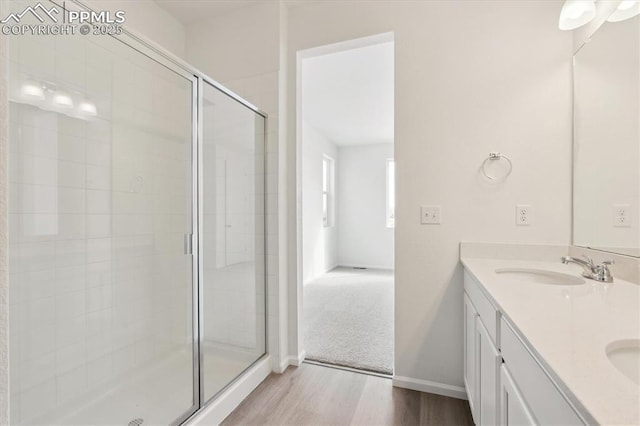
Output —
(146, 18)
(319, 243)
(471, 77)
(364, 239)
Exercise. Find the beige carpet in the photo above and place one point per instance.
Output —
(348, 319)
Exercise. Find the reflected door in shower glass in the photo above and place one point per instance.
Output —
(233, 239)
(100, 199)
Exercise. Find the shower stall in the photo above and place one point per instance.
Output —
(136, 232)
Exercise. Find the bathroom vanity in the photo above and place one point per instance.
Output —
(545, 346)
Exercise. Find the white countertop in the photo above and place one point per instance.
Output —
(568, 329)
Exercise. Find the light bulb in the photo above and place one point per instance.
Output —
(87, 108)
(62, 100)
(625, 10)
(576, 13)
(626, 4)
(32, 90)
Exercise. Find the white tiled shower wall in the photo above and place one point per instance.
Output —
(99, 284)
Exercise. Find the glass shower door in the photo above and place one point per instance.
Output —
(233, 245)
(101, 286)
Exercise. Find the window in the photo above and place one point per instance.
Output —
(391, 194)
(327, 191)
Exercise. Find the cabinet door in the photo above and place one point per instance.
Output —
(471, 357)
(489, 362)
(545, 401)
(513, 409)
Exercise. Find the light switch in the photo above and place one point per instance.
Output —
(430, 215)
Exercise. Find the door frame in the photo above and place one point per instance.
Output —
(301, 55)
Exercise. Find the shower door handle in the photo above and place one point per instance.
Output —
(188, 243)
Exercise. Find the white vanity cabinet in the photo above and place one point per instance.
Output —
(505, 384)
(543, 401)
(489, 360)
(482, 359)
(470, 349)
(513, 409)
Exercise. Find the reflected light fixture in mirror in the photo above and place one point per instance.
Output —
(48, 97)
(87, 108)
(625, 10)
(576, 13)
(62, 100)
(32, 90)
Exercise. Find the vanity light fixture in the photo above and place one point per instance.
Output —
(87, 108)
(626, 9)
(51, 97)
(62, 100)
(576, 13)
(32, 91)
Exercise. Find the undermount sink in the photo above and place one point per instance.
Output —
(540, 276)
(625, 356)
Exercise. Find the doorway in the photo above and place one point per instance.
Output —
(347, 214)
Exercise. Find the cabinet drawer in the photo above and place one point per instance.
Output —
(547, 404)
(488, 314)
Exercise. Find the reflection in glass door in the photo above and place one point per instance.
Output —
(101, 289)
(233, 272)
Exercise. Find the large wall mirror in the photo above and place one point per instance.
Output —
(606, 191)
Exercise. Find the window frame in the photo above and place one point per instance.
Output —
(390, 205)
(328, 191)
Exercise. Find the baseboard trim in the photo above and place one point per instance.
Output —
(341, 265)
(429, 387)
(218, 410)
(300, 359)
(296, 361)
(283, 365)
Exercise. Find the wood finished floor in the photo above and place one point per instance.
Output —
(316, 395)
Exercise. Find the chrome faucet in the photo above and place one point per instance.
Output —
(591, 270)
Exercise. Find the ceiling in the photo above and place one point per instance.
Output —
(348, 96)
(190, 11)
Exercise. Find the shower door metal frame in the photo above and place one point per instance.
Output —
(198, 79)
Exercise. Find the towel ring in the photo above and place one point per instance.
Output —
(496, 156)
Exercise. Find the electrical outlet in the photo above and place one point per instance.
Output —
(523, 215)
(622, 215)
(430, 215)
